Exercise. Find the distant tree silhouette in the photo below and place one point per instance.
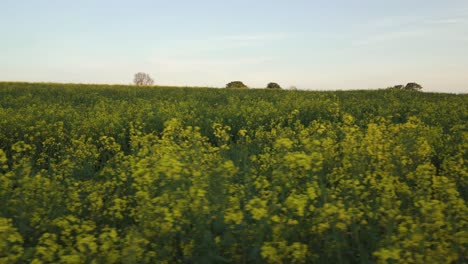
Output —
(409, 87)
(413, 87)
(236, 85)
(273, 85)
(142, 79)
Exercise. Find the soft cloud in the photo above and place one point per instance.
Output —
(399, 28)
(260, 37)
(447, 21)
(389, 36)
(227, 42)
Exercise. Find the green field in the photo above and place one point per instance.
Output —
(125, 174)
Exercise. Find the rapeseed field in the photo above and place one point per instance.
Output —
(124, 174)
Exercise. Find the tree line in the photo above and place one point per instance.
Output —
(144, 79)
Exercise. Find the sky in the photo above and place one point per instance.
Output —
(314, 45)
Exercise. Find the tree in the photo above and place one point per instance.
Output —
(398, 87)
(409, 87)
(236, 85)
(142, 79)
(413, 87)
(273, 85)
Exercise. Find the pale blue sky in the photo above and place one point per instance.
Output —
(318, 45)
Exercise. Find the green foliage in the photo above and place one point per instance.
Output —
(273, 85)
(236, 85)
(123, 174)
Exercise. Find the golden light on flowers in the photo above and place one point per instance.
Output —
(166, 175)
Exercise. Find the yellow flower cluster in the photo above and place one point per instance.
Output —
(11, 242)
